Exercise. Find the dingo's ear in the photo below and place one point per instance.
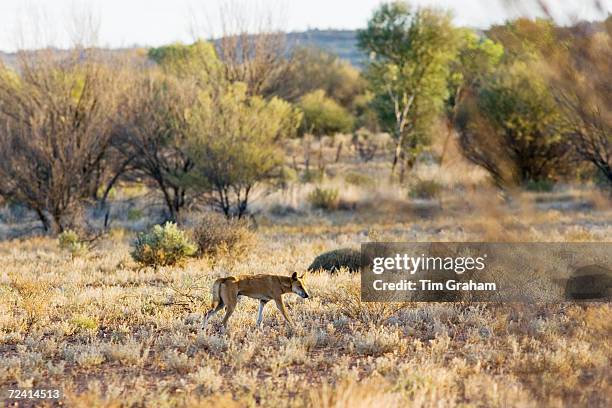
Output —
(294, 276)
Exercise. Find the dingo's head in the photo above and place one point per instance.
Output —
(297, 285)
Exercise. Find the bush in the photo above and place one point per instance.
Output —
(134, 214)
(324, 198)
(312, 176)
(70, 241)
(425, 189)
(162, 246)
(512, 128)
(216, 234)
(332, 261)
(540, 186)
(358, 179)
(323, 115)
(235, 144)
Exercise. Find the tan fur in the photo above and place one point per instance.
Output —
(225, 292)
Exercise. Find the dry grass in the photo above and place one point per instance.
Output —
(111, 334)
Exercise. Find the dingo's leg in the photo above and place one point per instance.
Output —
(211, 313)
(229, 309)
(229, 296)
(281, 307)
(262, 303)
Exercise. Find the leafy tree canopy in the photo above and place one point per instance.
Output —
(323, 115)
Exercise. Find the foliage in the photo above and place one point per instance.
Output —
(579, 79)
(332, 261)
(162, 246)
(324, 198)
(152, 131)
(234, 144)
(313, 69)
(476, 58)
(410, 54)
(70, 241)
(216, 234)
(323, 115)
(134, 214)
(198, 60)
(312, 176)
(525, 39)
(540, 186)
(359, 179)
(513, 129)
(55, 133)
(426, 189)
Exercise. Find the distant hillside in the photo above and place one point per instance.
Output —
(344, 42)
(8, 59)
(340, 42)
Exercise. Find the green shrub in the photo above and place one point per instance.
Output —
(216, 235)
(358, 179)
(425, 189)
(83, 322)
(287, 177)
(332, 261)
(162, 246)
(324, 198)
(134, 214)
(70, 241)
(541, 186)
(312, 176)
(323, 115)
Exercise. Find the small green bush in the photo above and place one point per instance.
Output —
(287, 177)
(426, 189)
(358, 179)
(312, 176)
(134, 214)
(333, 261)
(216, 235)
(323, 115)
(540, 186)
(162, 246)
(70, 241)
(83, 322)
(324, 198)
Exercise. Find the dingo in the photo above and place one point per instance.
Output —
(225, 292)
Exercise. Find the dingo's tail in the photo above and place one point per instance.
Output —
(216, 295)
(216, 292)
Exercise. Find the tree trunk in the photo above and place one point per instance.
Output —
(44, 220)
(338, 152)
(397, 154)
(321, 164)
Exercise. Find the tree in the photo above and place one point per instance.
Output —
(251, 45)
(574, 62)
(55, 132)
(152, 131)
(312, 69)
(579, 79)
(524, 39)
(234, 143)
(410, 54)
(511, 127)
(323, 115)
(198, 61)
(477, 58)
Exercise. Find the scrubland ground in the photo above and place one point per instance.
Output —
(110, 334)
